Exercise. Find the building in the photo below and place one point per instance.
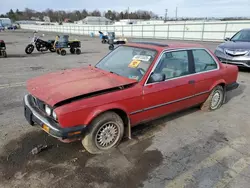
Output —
(35, 18)
(46, 18)
(5, 22)
(95, 20)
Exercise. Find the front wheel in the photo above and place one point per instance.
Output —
(29, 49)
(215, 99)
(63, 52)
(106, 131)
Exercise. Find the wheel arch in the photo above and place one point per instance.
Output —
(220, 82)
(118, 110)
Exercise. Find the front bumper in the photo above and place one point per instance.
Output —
(35, 116)
(241, 61)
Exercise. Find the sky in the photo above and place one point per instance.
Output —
(186, 8)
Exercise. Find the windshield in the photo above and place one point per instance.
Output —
(243, 35)
(128, 61)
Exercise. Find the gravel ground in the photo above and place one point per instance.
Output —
(189, 149)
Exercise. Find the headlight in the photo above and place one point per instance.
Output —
(54, 115)
(48, 110)
(219, 49)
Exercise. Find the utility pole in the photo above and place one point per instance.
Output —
(166, 14)
(176, 10)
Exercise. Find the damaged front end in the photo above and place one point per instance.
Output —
(34, 115)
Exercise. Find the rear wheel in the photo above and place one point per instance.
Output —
(78, 51)
(106, 131)
(29, 49)
(111, 47)
(4, 54)
(215, 99)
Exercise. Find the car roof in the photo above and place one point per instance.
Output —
(160, 46)
(246, 29)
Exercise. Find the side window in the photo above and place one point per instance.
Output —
(173, 64)
(203, 61)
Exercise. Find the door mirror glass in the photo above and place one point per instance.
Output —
(227, 39)
(157, 77)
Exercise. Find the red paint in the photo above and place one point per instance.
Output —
(55, 87)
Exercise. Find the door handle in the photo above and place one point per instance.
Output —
(191, 81)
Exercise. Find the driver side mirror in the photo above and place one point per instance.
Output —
(227, 39)
(157, 77)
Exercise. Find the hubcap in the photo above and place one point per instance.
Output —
(107, 135)
(216, 99)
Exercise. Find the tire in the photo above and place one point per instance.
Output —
(78, 51)
(210, 104)
(111, 47)
(72, 50)
(29, 49)
(91, 141)
(63, 52)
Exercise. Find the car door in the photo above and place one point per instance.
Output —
(173, 94)
(207, 73)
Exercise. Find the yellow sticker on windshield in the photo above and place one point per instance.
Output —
(134, 63)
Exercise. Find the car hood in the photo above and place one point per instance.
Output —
(235, 45)
(55, 87)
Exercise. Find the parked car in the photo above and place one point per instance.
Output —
(235, 50)
(12, 27)
(134, 83)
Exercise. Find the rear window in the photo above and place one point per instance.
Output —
(203, 61)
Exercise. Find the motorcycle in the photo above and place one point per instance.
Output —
(40, 45)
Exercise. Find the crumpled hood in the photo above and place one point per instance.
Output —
(235, 45)
(59, 86)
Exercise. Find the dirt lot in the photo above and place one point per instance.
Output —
(189, 149)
